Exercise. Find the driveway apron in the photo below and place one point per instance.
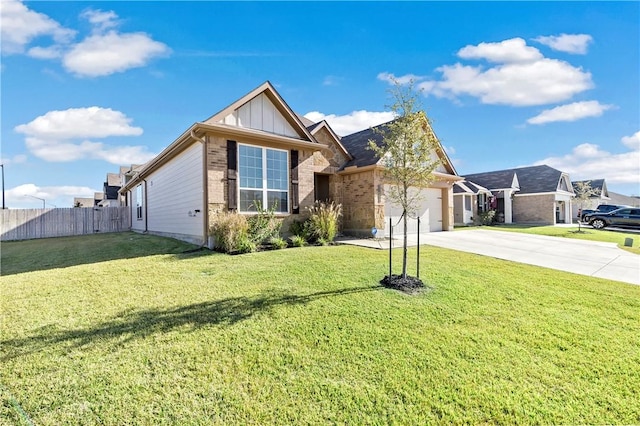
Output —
(592, 258)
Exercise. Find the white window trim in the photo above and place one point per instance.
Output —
(264, 188)
(139, 202)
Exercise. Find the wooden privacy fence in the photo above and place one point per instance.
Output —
(26, 224)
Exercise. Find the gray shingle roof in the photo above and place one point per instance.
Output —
(357, 144)
(595, 184)
(533, 179)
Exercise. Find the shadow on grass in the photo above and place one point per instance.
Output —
(128, 326)
(51, 253)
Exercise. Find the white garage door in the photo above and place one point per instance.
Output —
(430, 212)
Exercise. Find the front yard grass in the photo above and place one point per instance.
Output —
(97, 332)
(587, 233)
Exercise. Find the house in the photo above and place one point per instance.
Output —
(601, 196)
(623, 200)
(535, 194)
(470, 200)
(111, 187)
(257, 150)
(83, 202)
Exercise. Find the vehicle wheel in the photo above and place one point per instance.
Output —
(598, 223)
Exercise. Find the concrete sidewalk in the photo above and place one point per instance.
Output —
(592, 258)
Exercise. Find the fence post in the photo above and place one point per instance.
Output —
(390, 245)
(418, 254)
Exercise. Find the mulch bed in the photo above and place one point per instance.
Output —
(409, 285)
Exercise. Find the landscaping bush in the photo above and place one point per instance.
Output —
(263, 226)
(231, 232)
(323, 220)
(487, 218)
(298, 241)
(278, 243)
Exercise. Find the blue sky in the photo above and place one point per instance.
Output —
(89, 86)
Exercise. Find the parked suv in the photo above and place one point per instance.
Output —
(624, 217)
(602, 208)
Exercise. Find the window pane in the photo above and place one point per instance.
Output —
(249, 200)
(277, 166)
(250, 166)
(279, 200)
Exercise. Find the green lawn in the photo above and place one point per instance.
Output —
(586, 233)
(129, 329)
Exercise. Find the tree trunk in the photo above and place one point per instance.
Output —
(404, 247)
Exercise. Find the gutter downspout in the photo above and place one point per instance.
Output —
(205, 190)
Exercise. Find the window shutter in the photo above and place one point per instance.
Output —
(232, 175)
(295, 206)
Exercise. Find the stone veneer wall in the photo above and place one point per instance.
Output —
(362, 206)
(309, 162)
(534, 209)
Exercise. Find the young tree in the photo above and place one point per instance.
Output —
(584, 191)
(408, 152)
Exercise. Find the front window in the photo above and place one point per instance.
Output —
(264, 178)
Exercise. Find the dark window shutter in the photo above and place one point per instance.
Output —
(295, 206)
(232, 175)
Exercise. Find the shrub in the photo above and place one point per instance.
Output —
(278, 243)
(263, 226)
(487, 218)
(230, 231)
(323, 220)
(298, 241)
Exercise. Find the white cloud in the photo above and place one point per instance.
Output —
(519, 76)
(507, 51)
(30, 195)
(352, 122)
(51, 52)
(570, 112)
(405, 79)
(100, 55)
(100, 20)
(632, 141)
(570, 43)
(19, 26)
(105, 51)
(16, 159)
(590, 161)
(60, 136)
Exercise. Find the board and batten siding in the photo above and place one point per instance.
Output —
(260, 114)
(175, 197)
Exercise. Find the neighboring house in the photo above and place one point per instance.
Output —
(469, 201)
(257, 150)
(600, 197)
(83, 202)
(111, 186)
(535, 194)
(623, 200)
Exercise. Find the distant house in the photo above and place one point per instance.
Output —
(535, 194)
(83, 202)
(258, 151)
(601, 196)
(623, 200)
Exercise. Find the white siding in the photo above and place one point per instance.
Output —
(430, 212)
(260, 114)
(174, 193)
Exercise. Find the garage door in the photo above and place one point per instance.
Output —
(430, 212)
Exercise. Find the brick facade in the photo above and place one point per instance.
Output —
(534, 209)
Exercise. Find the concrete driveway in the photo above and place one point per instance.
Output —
(592, 258)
